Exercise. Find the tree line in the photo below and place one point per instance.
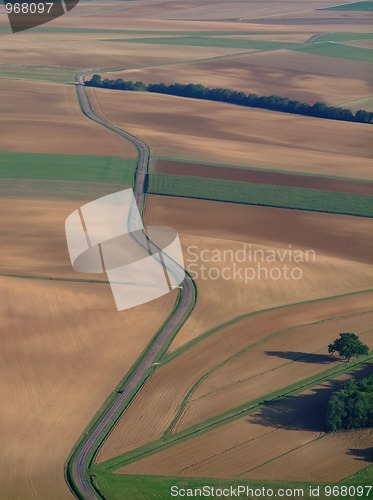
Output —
(352, 406)
(273, 102)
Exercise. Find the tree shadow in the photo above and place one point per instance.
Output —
(304, 357)
(306, 412)
(365, 455)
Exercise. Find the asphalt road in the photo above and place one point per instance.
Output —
(80, 462)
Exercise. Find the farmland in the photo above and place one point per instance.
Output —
(251, 441)
(261, 194)
(199, 359)
(238, 392)
(218, 132)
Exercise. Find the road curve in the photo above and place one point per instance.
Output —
(80, 460)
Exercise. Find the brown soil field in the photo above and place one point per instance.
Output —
(163, 396)
(258, 176)
(279, 72)
(292, 356)
(238, 449)
(331, 459)
(45, 118)
(219, 132)
(341, 245)
(64, 349)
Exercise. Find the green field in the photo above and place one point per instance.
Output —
(351, 6)
(103, 169)
(204, 41)
(41, 74)
(344, 37)
(261, 194)
(334, 49)
(117, 486)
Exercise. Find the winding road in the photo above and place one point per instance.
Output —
(79, 462)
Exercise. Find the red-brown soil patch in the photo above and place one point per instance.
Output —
(262, 177)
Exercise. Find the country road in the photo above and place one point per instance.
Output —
(80, 460)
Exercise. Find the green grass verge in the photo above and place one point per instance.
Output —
(261, 194)
(335, 49)
(34, 73)
(204, 41)
(103, 169)
(351, 6)
(117, 486)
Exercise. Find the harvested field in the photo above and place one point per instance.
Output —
(366, 104)
(92, 50)
(29, 124)
(283, 73)
(330, 459)
(239, 448)
(210, 131)
(341, 244)
(163, 396)
(33, 241)
(259, 176)
(51, 336)
(292, 356)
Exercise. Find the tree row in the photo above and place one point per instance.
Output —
(273, 102)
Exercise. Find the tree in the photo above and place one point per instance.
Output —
(348, 346)
(351, 407)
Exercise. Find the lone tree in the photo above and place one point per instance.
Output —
(348, 346)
